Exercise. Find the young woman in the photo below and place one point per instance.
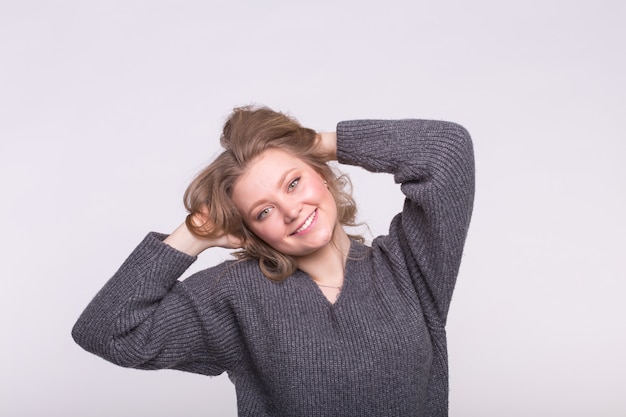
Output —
(308, 321)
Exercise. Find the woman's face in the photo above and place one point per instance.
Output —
(285, 202)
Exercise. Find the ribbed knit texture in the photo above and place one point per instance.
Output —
(380, 350)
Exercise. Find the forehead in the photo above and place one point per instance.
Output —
(271, 164)
(264, 174)
(271, 161)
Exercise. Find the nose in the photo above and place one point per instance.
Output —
(291, 211)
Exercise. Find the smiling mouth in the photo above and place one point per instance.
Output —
(307, 223)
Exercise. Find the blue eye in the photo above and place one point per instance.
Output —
(294, 184)
(264, 213)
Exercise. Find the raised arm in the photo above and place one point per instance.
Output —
(145, 318)
(433, 160)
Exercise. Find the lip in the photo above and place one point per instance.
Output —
(313, 217)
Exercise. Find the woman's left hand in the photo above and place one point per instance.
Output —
(327, 143)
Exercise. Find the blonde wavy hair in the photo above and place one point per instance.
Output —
(247, 133)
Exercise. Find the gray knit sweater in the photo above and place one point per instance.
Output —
(380, 350)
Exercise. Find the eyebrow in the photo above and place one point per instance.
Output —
(279, 184)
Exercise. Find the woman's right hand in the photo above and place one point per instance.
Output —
(183, 240)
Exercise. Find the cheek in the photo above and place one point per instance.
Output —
(318, 190)
(327, 196)
(267, 232)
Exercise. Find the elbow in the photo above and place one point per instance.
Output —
(456, 144)
(103, 346)
(464, 149)
(462, 137)
(82, 335)
(458, 149)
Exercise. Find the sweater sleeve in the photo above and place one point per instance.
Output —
(433, 161)
(145, 318)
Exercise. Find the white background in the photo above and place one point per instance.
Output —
(108, 109)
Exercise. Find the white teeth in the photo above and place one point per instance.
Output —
(307, 223)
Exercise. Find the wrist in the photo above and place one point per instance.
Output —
(183, 240)
(328, 144)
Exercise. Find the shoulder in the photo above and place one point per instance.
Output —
(225, 277)
(239, 288)
(390, 252)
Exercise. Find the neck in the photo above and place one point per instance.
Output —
(326, 266)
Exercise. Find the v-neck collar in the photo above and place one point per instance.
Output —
(355, 254)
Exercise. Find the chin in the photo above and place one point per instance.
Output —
(316, 247)
(313, 242)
